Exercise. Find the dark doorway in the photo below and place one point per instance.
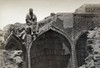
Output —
(81, 49)
(50, 50)
(13, 43)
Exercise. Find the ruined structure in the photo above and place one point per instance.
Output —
(61, 41)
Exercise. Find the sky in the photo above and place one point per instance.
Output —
(12, 11)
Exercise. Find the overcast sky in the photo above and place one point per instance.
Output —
(12, 11)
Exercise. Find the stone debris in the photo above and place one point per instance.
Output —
(10, 59)
(93, 49)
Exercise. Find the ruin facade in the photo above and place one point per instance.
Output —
(61, 41)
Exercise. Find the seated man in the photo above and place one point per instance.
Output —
(31, 18)
(31, 21)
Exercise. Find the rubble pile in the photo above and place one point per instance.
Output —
(11, 59)
(93, 49)
(93, 43)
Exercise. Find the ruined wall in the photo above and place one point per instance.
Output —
(86, 18)
(74, 25)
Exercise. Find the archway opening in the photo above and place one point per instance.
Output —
(81, 49)
(15, 47)
(50, 50)
(14, 43)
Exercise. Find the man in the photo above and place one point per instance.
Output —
(31, 21)
(31, 18)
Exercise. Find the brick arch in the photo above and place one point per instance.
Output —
(14, 43)
(14, 40)
(43, 39)
(59, 31)
(81, 48)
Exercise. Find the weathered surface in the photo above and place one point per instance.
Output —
(72, 26)
(11, 59)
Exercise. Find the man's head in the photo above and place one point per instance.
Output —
(31, 10)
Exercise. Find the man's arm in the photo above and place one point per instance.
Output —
(35, 18)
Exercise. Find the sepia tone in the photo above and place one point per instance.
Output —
(59, 41)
